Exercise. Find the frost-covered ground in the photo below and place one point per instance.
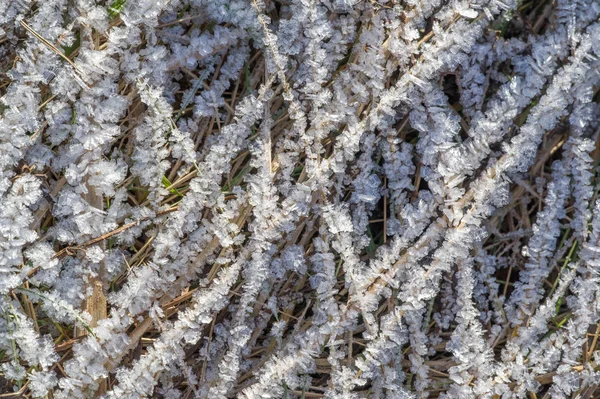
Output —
(299, 199)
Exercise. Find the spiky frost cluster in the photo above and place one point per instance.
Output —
(272, 199)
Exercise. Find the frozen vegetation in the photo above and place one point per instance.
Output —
(382, 199)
